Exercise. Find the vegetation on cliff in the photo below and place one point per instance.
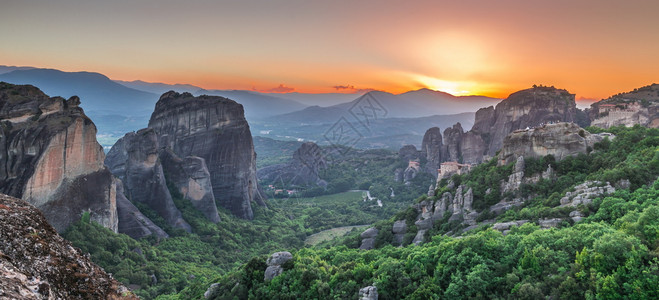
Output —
(612, 253)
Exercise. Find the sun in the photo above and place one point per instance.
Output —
(456, 88)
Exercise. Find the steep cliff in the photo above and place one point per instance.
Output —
(50, 157)
(37, 263)
(560, 140)
(523, 109)
(452, 138)
(134, 160)
(131, 220)
(529, 108)
(215, 129)
(191, 177)
(431, 148)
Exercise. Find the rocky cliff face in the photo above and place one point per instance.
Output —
(50, 157)
(134, 160)
(431, 148)
(191, 177)
(215, 129)
(560, 140)
(640, 106)
(529, 108)
(37, 263)
(303, 169)
(452, 138)
(524, 109)
(131, 221)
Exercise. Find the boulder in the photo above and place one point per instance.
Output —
(368, 293)
(368, 238)
(275, 262)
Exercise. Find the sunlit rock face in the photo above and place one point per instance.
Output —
(213, 128)
(527, 108)
(51, 158)
(560, 140)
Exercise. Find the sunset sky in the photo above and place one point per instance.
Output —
(593, 48)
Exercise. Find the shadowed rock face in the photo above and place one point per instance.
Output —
(431, 148)
(50, 157)
(303, 168)
(452, 137)
(192, 179)
(213, 128)
(37, 263)
(134, 160)
(131, 221)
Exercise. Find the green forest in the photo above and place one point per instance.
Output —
(612, 253)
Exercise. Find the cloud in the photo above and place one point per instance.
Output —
(280, 89)
(352, 89)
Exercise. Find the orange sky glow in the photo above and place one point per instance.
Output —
(591, 48)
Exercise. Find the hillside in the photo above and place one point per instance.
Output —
(541, 248)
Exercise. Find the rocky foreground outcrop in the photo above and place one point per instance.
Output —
(51, 158)
(37, 263)
(214, 129)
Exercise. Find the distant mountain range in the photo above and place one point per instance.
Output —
(118, 107)
(97, 91)
(413, 104)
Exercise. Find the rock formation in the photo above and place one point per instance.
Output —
(585, 193)
(431, 149)
(134, 160)
(528, 108)
(193, 181)
(452, 138)
(37, 263)
(368, 293)
(51, 157)
(640, 106)
(368, 238)
(303, 169)
(399, 229)
(213, 128)
(131, 221)
(275, 262)
(560, 140)
(408, 152)
(524, 109)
